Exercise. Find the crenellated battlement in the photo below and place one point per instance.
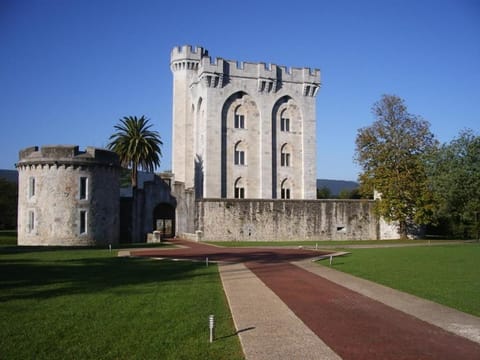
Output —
(67, 155)
(215, 72)
(259, 70)
(186, 57)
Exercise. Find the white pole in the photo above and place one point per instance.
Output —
(211, 326)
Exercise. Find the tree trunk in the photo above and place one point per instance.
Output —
(403, 230)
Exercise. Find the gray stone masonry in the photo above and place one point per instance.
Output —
(67, 196)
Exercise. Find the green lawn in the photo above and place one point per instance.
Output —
(338, 243)
(448, 275)
(8, 237)
(90, 304)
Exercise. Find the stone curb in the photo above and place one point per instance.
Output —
(267, 328)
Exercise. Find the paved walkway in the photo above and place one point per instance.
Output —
(285, 307)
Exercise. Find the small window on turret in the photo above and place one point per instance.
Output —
(284, 124)
(31, 187)
(83, 222)
(31, 221)
(83, 193)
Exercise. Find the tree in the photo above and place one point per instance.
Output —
(8, 204)
(391, 154)
(454, 172)
(137, 146)
(324, 193)
(349, 194)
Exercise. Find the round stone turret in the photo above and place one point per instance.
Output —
(68, 197)
(186, 58)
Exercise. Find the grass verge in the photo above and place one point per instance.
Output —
(90, 304)
(337, 243)
(449, 275)
(8, 237)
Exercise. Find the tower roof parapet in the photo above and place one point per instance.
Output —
(187, 52)
(259, 70)
(216, 72)
(67, 155)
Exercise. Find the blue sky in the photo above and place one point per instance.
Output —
(69, 69)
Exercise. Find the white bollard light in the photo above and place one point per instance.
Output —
(331, 258)
(206, 261)
(211, 326)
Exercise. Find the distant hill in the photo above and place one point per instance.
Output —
(9, 175)
(335, 186)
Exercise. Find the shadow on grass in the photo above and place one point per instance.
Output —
(46, 275)
(12, 248)
(236, 333)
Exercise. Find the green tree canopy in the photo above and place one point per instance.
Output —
(390, 153)
(454, 172)
(324, 193)
(8, 204)
(137, 146)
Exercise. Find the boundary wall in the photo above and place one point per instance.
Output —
(281, 220)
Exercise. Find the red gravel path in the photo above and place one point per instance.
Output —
(354, 326)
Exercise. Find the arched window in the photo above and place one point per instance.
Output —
(239, 153)
(284, 121)
(239, 118)
(239, 189)
(285, 189)
(285, 154)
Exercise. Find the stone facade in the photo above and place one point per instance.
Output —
(159, 203)
(278, 220)
(243, 130)
(67, 196)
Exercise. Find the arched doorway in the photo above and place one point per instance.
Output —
(164, 219)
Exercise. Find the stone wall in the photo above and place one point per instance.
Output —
(277, 220)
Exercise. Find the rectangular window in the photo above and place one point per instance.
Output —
(83, 188)
(31, 221)
(286, 194)
(239, 121)
(83, 221)
(285, 159)
(284, 124)
(239, 193)
(239, 157)
(31, 186)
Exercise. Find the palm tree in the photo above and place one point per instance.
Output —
(136, 145)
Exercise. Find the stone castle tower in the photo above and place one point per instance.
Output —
(67, 196)
(243, 130)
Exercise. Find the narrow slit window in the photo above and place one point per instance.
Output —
(83, 222)
(31, 221)
(83, 188)
(31, 187)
